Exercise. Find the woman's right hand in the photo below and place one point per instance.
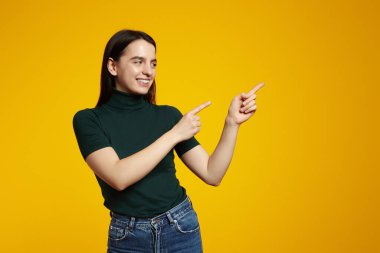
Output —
(189, 124)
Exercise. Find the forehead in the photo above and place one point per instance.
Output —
(141, 48)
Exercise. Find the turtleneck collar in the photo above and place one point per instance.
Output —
(126, 101)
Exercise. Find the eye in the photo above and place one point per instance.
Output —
(137, 61)
(154, 65)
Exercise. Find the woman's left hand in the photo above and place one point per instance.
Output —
(243, 106)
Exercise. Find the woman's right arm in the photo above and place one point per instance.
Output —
(121, 173)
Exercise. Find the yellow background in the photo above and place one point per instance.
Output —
(305, 172)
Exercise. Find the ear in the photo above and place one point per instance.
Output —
(111, 66)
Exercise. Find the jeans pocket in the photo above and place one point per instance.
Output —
(187, 223)
(117, 230)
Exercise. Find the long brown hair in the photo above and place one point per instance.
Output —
(114, 49)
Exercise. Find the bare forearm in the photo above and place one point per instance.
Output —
(134, 167)
(221, 157)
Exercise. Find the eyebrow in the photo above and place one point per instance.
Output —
(141, 58)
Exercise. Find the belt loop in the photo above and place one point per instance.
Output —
(191, 203)
(131, 222)
(169, 215)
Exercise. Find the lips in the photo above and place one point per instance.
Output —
(143, 82)
(143, 79)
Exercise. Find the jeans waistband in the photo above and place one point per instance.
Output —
(174, 213)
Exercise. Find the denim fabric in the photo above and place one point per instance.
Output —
(176, 230)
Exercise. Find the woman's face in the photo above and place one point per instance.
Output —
(136, 69)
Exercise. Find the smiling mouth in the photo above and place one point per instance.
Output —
(143, 82)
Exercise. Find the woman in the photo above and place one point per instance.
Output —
(128, 141)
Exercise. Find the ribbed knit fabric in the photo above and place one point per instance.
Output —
(128, 123)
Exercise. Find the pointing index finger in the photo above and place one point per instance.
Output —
(200, 107)
(256, 88)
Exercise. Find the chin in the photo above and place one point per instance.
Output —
(142, 90)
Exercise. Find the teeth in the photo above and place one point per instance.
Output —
(143, 80)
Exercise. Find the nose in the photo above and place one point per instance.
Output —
(147, 69)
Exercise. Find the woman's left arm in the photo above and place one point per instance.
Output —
(212, 169)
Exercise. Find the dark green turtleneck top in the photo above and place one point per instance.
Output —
(128, 123)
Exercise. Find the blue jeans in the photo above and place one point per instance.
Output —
(176, 230)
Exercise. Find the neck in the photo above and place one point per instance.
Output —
(126, 101)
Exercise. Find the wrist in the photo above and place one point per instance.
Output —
(230, 122)
(176, 138)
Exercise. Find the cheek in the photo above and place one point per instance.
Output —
(126, 78)
(129, 74)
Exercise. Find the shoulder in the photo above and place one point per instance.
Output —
(84, 116)
(170, 113)
(172, 110)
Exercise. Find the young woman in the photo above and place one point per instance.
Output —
(128, 141)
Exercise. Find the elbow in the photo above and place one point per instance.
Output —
(211, 181)
(214, 183)
(113, 183)
(120, 189)
(119, 183)
(119, 186)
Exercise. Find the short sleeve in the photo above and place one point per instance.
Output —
(90, 136)
(185, 145)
